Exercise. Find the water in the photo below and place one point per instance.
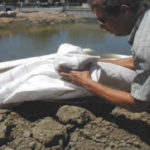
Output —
(27, 42)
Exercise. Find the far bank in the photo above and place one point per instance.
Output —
(38, 19)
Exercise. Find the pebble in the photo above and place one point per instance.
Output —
(27, 134)
(31, 144)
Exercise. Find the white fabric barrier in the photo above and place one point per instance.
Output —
(39, 80)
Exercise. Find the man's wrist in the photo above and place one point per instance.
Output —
(89, 84)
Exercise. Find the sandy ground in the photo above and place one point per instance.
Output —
(88, 125)
(83, 124)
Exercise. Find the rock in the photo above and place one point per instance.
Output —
(26, 134)
(50, 132)
(74, 115)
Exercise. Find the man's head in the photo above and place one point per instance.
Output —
(118, 16)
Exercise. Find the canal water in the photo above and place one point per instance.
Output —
(35, 41)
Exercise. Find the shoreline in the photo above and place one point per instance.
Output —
(39, 19)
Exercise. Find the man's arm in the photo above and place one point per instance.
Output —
(117, 97)
(125, 62)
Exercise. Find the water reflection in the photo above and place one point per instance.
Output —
(27, 42)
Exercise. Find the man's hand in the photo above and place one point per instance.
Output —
(76, 77)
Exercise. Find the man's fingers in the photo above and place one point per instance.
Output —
(62, 69)
(64, 74)
(66, 78)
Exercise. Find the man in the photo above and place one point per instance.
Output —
(122, 17)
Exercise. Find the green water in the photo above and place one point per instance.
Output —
(35, 41)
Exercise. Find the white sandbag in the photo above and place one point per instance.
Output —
(73, 57)
(4, 66)
(39, 80)
(115, 76)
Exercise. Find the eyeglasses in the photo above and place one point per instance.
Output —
(101, 21)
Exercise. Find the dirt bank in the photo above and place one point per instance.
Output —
(37, 19)
(93, 125)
